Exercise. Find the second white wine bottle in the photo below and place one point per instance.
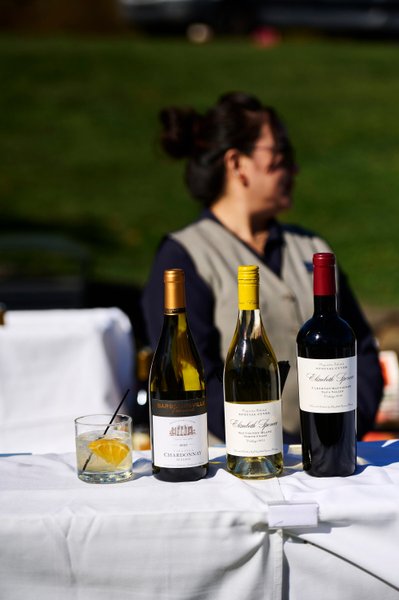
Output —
(252, 396)
(178, 408)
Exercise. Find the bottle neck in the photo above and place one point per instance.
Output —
(248, 296)
(175, 318)
(248, 307)
(174, 298)
(324, 288)
(325, 305)
(249, 323)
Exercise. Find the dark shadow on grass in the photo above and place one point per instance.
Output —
(87, 229)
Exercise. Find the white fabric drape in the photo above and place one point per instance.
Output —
(55, 366)
(208, 540)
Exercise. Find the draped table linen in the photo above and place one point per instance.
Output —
(56, 365)
(61, 538)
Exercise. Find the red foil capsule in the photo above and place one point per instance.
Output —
(324, 274)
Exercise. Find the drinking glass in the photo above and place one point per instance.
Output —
(104, 449)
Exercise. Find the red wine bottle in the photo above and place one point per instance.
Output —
(327, 380)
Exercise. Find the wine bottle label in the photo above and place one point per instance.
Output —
(327, 385)
(180, 433)
(253, 429)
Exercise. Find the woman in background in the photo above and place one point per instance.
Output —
(240, 166)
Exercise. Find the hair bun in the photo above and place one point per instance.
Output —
(178, 131)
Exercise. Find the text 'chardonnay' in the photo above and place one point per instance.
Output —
(178, 409)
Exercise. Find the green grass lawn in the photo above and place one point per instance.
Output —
(79, 155)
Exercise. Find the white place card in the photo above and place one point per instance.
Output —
(289, 515)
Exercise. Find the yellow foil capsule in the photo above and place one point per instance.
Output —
(248, 287)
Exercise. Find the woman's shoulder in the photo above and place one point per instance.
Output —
(171, 253)
(302, 243)
(298, 230)
(203, 236)
(204, 221)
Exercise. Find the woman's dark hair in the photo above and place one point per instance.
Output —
(234, 122)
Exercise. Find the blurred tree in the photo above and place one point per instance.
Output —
(69, 16)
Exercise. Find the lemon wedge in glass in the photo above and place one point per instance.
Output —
(111, 450)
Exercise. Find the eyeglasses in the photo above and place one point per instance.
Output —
(269, 148)
(284, 151)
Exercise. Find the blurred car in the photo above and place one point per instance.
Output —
(240, 16)
(356, 16)
(178, 15)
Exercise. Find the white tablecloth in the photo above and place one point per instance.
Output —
(209, 540)
(354, 552)
(57, 365)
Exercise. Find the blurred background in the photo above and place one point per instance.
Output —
(86, 194)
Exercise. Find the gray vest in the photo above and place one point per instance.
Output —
(285, 303)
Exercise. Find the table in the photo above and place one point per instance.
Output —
(56, 365)
(208, 540)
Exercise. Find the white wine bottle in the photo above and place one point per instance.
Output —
(252, 396)
(178, 409)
